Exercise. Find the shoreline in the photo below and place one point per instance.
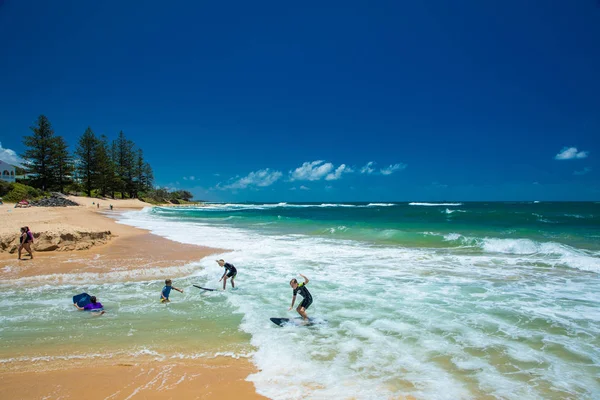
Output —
(129, 254)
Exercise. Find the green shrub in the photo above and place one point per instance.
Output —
(20, 192)
(33, 193)
(5, 187)
(73, 188)
(150, 200)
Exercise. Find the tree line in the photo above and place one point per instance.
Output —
(110, 168)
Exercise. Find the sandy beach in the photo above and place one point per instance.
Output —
(209, 379)
(86, 240)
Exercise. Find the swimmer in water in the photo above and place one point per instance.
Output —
(95, 306)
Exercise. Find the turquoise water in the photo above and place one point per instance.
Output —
(437, 301)
(574, 224)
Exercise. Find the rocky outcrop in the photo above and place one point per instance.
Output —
(57, 241)
(56, 200)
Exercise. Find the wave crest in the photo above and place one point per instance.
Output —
(435, 204)
(557, 253)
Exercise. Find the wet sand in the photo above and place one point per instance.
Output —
(219, 378)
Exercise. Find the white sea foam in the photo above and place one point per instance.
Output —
(340, 228)
(244, 206)
(394, 315)
(541, 218)
(435, 204)
(550, 253)
(449, 211)
(453, 236)
(115, 275)
(143, 352)
(577, 216)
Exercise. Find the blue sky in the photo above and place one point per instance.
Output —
(281, 101)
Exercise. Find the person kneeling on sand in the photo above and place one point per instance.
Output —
(307, 298)
(25, 240)
(95, 306)
(230, 272)
(164, 294)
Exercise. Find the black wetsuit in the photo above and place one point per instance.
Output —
(307, 298)
(230, 270)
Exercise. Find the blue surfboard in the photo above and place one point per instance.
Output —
(82, 299)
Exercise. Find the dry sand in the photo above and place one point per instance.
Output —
(126, 248)
(73, 228)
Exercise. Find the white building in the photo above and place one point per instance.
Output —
(7, 172)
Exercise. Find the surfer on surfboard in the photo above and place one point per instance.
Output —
(306, 296)
(230, 272)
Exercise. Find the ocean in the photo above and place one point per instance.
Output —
(450, 300)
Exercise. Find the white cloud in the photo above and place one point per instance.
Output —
(304, 188)
(390, 170)
(570, 153)
(261, 178)
(583, 171)
(311, 171)
(368, 169)
(189, 178)
(10, 157)
(337, 174)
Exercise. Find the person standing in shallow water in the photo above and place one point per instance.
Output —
(306, 296)
(164, 294)
(230, 272)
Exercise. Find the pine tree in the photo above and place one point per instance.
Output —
(88, 163)
(125, 164)
(130, 170)
(139, 172)
(38, 155)
(106, 170)
(148, 178)
(117, 184)
(61, 163)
